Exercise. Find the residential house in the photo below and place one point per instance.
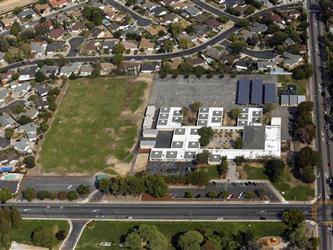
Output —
(26, 13)
(4, 143)
(2, 57)
(214, 24)
(30, 130)
(41, 103)
(6, 77)
(200, 30)
(214, 53)
(86, 70)
(22, 146)
(106, 68)
(49, 70)
(291, 61)
(241, 66)
(197, 61)
(4, 93)
(57, 34)
(245, 34)
(266, 65)
(97, 32)
(130, 68)
(41, 89)
(55, 4)
(130, 45)
(7, 122)
(155, 29)
(91, 47)
(21, 90)
(42, 8)
(68, 70)
(159, 11)
(146, 45)
(31, 113)
(108, 45)
(38, 49)
(258, 28)
(192, 11)
(150, 67)
(169, 18)
(78, 27)
(55, 47)
(27, 73)
(7, 22)
(234, 3)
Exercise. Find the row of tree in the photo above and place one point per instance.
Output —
(30, 194)
(303, 126)
(10, 220)
(149, 237)
(134, 185)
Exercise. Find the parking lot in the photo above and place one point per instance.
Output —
(210, 92)
(233, 188)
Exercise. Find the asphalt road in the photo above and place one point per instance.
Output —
(140, 20)
(74, 44)
(74, 235)
(258, 54)
(317, 85)
(204, 211)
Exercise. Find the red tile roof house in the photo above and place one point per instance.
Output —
(213, 24)
(78, 27)
(58, 3)
(90, 48)
(57, 33)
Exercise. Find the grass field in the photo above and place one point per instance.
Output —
(27, 227)
(211, 171)
(114, 231)
(290, 188)
(93, 124)
(287, 79)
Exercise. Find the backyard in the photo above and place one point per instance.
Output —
(301, 85)
(95, 125)
(114, 232)
(290, 188)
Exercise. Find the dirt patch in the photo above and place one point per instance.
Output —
(141, 162)
(9, 5)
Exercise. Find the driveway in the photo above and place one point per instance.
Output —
(74, 235)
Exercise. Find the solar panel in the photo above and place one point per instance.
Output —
(270, 93)
(243, 91)
(256, 92)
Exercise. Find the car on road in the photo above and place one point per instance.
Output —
(330, 182)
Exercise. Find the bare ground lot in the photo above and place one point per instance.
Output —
(9, 5)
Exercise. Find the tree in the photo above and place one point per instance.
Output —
(93, 14)
(4, 45)
(198, 178)
(23, 119)
(297, 237)
(223, 167)
(274, 169)
(234, 113)
(61, 235)
(249, 10)
(83, 189)
(176, 28)
(206, 133)
(195, 106)
(239, 143)
(307, 174)
(202, 157)
(44, 237)
(167, 46)
(72, 195)
(268, 107)
(188, 194)
(15, 217)
(39, 76)
(119, 49)
(118, 59)
(243, 23)
(190, 240)
(303, 71)
(15, 29)
(293, 217)
(184, 43)
(307, 156)
(5, 195)
(9, 133)
(104, 185)
(29, 194)
(42, 195)
(29, 161)
(133, 241)
(155, 186)
(199, 71)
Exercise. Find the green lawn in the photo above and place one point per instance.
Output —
(298, 192)
(211, 171)
(27, 227)
(114, 231)
(93, 123)
(287, 79)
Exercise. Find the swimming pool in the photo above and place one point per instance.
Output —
(11, 177)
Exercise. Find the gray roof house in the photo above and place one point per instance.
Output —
(26, 12)
(49, 70)
(192, 11)
(21, 89)
(22, 146)
(38, 49)
(4, 142)
(292, 60)
(4, 92)
(2, 57)
(41, 89)
(7, 122)
(73, 68)
(86, 70)
(258, 28)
